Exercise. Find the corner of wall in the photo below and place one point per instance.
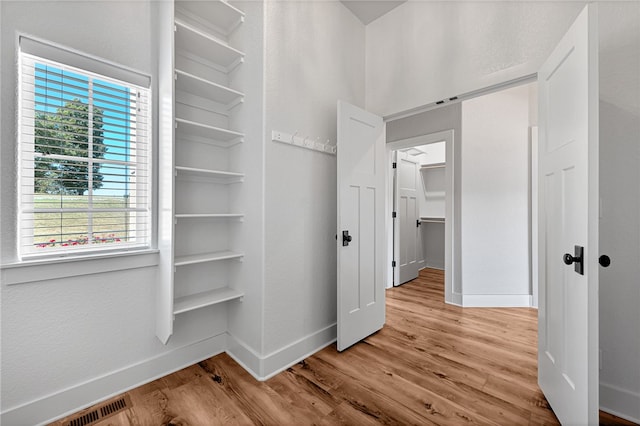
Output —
(263, 367)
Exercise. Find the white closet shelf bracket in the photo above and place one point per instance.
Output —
(304, 142)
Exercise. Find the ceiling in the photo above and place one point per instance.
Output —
(370, 10)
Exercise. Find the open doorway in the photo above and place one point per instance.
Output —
(421, 206)
(419, 202)
(477, 203)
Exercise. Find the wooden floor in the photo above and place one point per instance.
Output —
(432, 363)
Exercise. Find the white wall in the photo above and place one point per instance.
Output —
(73, 334)
(315, 57)
(495, 194)
(619, 289)
(422, 52)
(620, 214)
(246, 318)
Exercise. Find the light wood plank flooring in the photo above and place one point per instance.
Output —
(431, 364)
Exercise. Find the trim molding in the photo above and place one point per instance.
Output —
(51, 269)
(83, 395)
(456, 299)
(264, 367)
(496, 300)
(285, 357)
(461, 97)
(242, 353)
(620, 402)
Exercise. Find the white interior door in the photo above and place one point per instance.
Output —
(361, 239)
(408, 246)
(568, 215)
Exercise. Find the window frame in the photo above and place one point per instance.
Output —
(92, 68)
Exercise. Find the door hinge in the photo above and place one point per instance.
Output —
(393, 263)
(394, 165)
(393, 215)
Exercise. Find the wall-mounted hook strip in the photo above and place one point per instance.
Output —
(304, 142)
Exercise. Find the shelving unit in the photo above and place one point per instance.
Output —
(198, 86)
(209, 215)
(432, 220)
(433, 166)
(219, 15)
(226, 177)
(206, 298)
(192, 41)
(206, 257)
(207, 132)
(199, 77)
(432, 214)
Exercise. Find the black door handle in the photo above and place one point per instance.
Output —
(568, 259)
(576, 259)
(418, 223)
(346, 238)
(604, 261)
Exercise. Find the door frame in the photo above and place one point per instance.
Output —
(446, 136)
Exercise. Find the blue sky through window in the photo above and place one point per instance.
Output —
(55, 87)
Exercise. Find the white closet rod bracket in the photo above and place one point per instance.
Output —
(304, 142)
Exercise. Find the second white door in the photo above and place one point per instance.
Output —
(408, 217)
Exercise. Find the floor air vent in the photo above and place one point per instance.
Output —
(100, 412)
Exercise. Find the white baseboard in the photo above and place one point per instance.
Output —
(456, 299)
(620, 402)
(73, 399)
(244, 355)
(267, 366)
(295, 352)
(496, 300)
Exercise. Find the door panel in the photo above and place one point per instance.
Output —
(568, 214)
(361, 184)
(409, 248)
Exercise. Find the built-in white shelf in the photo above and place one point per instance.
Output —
(433, 166)
(198, 86)
(206, 257)
(209, 215)
(432, 219)
(206, 132)
(199, 74)
(218, 14)
(228, 177)
(194, 41)
(207, 298)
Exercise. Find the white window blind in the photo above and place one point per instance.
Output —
(84, 166)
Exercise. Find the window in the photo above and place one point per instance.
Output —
(84, 167)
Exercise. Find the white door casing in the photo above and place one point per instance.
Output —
(568, 216)
(360, 186)
(409, 243)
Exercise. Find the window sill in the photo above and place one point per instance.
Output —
(51, 269)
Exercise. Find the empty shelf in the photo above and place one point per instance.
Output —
(220, 14)
(209, 215)
(433, 166)
(206, 257)
(432, 219)
(195, 85)
(210, 173)
(207, 132)
(207, 298)
(196, 42)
